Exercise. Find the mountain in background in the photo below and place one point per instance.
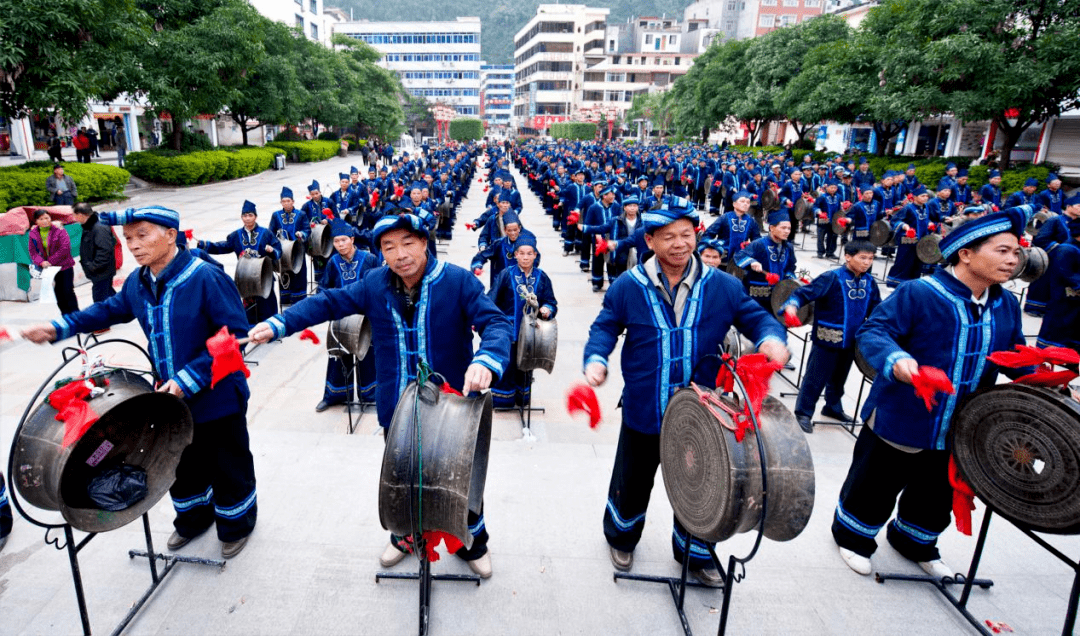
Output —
(499, 22)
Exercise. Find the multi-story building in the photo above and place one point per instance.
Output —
(571, 64)
(551, 54)
(496, 96)
(306, 15)
(740, 19)
(436, 60)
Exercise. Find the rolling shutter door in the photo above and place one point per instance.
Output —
(1064, 146)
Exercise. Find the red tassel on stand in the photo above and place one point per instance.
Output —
(225, 352)
(963, 499)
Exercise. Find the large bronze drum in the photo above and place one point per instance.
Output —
(454, 439)
(1033, 263)
(1018, 447)
(292, 257)
(802, 209)
(881, 233)
(864, 365)
(782, 291)
(735, 270)
(350, 335)
(321, 241)
(537, 344)
(714, 483)
(736, 344)
(769, 200)
(927, 249)
(255, 276)
(136, 426)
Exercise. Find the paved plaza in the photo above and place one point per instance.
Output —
(310, 565)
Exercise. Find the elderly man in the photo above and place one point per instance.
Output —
(901, 458)
(674, 311)
(215, 479)
(422, 311)
(61, 187)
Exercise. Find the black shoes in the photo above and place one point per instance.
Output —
(838, 415)
(805, 424)
(321, 406)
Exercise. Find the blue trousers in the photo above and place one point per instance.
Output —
(296, 289)
(215, 481)
(826, 369)
(339, 381)
(5, 510)
(636, 460)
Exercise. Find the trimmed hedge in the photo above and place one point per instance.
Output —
(307, 151)
(25, 184)
(466, 129)
(582, 131)
(167, 166)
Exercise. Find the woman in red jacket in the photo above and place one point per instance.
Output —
(50, 246)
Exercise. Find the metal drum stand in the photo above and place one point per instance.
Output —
(677, 586)
(69, 544)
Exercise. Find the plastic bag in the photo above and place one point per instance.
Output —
(117, 488)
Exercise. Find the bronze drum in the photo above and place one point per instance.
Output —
(292, 257)
(864, 365)
(1018, 447)
(927, 249)
(537, 343)
(714, 483)
(255, 276)
(735, 270)
(736, 344)
(1033, 263)
(769, 200)
(136, 426)
(881, 233)
(780, 294)
(802, 209)
(350, 335)
(321, 241)
(455, 437)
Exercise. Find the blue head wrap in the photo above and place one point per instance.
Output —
(1031, 182)
(1073, 200)
(525, 239)
(779, 216)
(343, 176)
(314, 187)
(631, 200)
(911, 166)
(1051, 177)
(511, 217)
(672, 209)
(353, 170)
(742, 194)
(409, 222)
(944, 184)
(961, 173)
(994, 173)
(286, 193)
(1012, 220)
(340, 228)
(249, 208)
(708, 243)
(151, 214)
(949, 166)
(919, 190)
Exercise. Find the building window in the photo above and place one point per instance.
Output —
(671, 39)
(767, 21)
(676, 61)
(314, 7)
(791, 3)
(314, 31)
(300, 23)
(788, 20)
(768, 3)
(811, 4)
(731, 5)
(611, 45)
(648, 39)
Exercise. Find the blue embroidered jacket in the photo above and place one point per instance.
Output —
(190, 301)
(289, 225)
(931, 320)
(340, 272)
(504, 293)
(239, 242)
(1059, 325)
(733, 230)
(437, 330)
(662, 351)
(775, 258)
(842, 302)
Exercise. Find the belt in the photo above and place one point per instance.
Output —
(761, 291)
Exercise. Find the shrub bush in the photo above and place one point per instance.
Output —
(466, 129)
(288, 135)
(574, 130)
(307, 151)
(25, 184)
(192, 141)
(328, 135)
(200, 167)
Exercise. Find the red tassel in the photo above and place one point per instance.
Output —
(552, 183)
(789, 204)
(755, 370)
(328, 213)
(804, 280)
(485, 188)
(910, 233)
(72, 410)
(1025, 243)
(932, 227)
(791, 320)
(928, 382)
(225, 351)
(601, 246)
(470, 226)
(963, 498)
(1045, 376)
(308, 334)
(744, 244)
(573, 218)
(478, 270)
(1061, 355)
(845, 206)
(772, 279)
(189, 234)
(725, 382)
(399, 191)
(446, 388)
(432, 540)
(1025, 356)
(822, 215)
(5, 335)
(843, 221)
(582, 398)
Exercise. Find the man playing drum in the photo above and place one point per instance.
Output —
(421, 311)
(671, 298)
(215, 479)
(951, 321)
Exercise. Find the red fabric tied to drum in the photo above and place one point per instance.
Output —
(225, 352)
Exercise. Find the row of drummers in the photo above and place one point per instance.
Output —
(310, 229)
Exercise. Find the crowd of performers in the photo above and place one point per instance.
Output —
(632, 218)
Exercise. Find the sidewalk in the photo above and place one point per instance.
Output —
(309, 567)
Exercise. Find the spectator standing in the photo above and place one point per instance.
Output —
(82, 145)
(61, 187)
(97, 252)
(50, 246)
(120, 143)
(53, 144)
(94, 148)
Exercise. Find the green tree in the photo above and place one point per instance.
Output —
(1013, 61)
(57, 55)
(705, 97)
(373, 102)
(657, 108)
(270, 92)
(194, 66)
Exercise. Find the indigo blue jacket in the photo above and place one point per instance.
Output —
(439, 331)
(504, 293)
(842, 302)
(190, 301)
